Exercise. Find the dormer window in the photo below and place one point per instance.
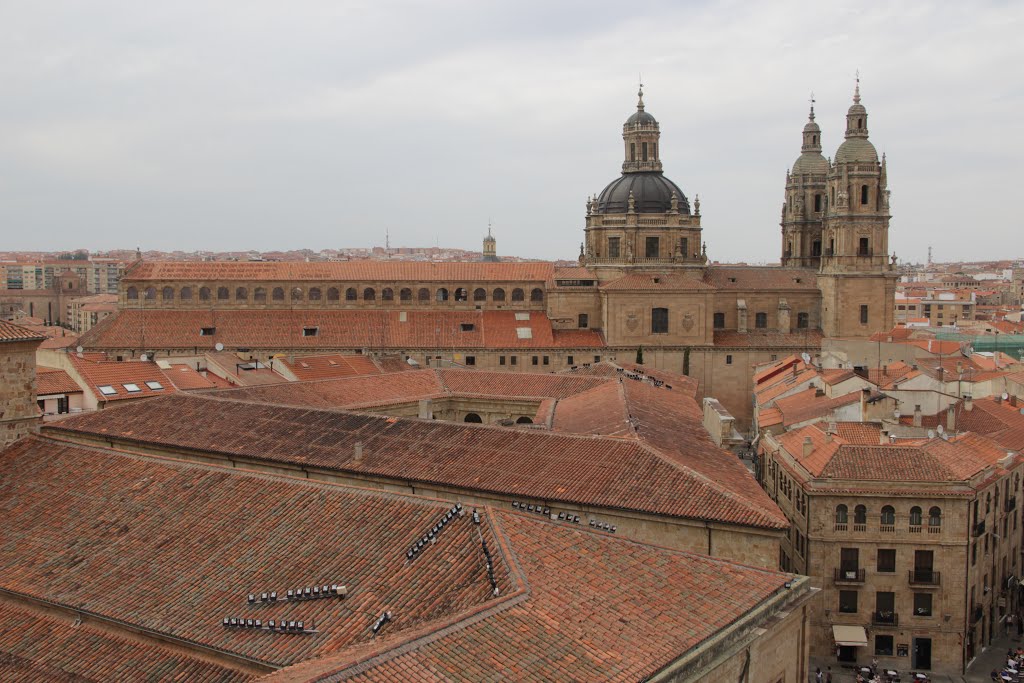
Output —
(467, 327)
(207, 331)
(310, 331)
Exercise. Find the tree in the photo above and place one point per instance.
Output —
(640, 355)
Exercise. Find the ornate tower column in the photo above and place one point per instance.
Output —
(806, 200)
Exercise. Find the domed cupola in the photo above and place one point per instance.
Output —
(856, 147)
(642, 180)
(810, 159)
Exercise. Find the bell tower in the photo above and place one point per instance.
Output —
(857, 276)
(804, 208)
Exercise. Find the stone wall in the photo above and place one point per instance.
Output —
(19, 414)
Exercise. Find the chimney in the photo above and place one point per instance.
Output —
(1013, 400)
(968, 402)
(959, 367)
(917, 416)
(951, 419)
(426, 409)
(357, 458)
(883, 437)
(819, 392)
(828, 437)
(885, 371)
(808, 446)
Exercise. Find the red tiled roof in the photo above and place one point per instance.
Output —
(171, 548)
(186, 378)
(343, 271)
(41, 646)
(760, 278)
(808, 405)
(330, 366)
(117, 374)
(342, 329)
(888, 374)
(832, 376)
(9, 332)
(775, 368)
(1000, 421)
(54, 381)
(571, 469)
(656, 282)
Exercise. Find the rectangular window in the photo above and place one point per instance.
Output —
(864, 314)
(583, 321)
(728, 359)
(761, 320)
(883, 645)
(501, 360)
(802, 321)
(466, 327)
(613, 247)
(849, 560)
(848, 602)
(470, 360)
(107, 390)
(310, 331)
(922, 604)
(684, 247)
(155, 386)
(547, 360)
(513, 360)
(863, 247)
(597, 359)
(652, 247)
(659, 320)
(719, 321)
(207, 331)
(536, 360)
(131, 388)
(887, 560)
(643, 150)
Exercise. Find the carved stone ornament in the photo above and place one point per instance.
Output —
(632, 321)
(687, 322)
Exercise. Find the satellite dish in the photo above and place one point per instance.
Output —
(939, 429)
(218, 346)
(1006, 396)
(931, 433)
(143, 358)
(806, 356)
(80, 348)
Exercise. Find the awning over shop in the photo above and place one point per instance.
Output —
(851, 636)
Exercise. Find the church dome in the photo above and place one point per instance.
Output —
(641, 118)
(810, 162)
(652, 193)
(856, 149)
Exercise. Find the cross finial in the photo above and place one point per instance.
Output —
(488, 226)
(856, 90)
(812, 105)
(640, 93)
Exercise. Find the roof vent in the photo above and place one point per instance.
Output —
(357, 456)
(381, 620)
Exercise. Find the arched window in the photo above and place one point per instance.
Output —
(150, 293)
(934, 518)
(278, 294)
(315, 294)
(659, 320)
(297, 293)
(259, 294)
(888, 516)
(814, 139)
(241, 294)
(498, 294)
(133, 294)
(863, 194)
(387, 294)
(537, 294)
(204, 293)
(350, 294)
(761, 321)
(186, 294)
(583, 321)
(423, 295)
(632, 151)
(860, 123)
(860, 515)
(461, 294)
(915, 516)
(842, 515)
(222, 294)
(719, 321)
(442, 294)
(802, 321)
(524, 421)
(333, 294)
(405, 294)
(369, 294)
(167, 294)
(518, 295)
(473, 417)
(479, 294)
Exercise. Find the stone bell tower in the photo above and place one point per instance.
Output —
(806, 200)
(857, 277)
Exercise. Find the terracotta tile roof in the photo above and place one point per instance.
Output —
(769, 417)
(9, 332)
(776, 386)
(241, 371)
(117, 374)
(804, 340)
(861, 433)
(776, 368)
(185, 378)
(41, 646)
(653, 282)
(61, 342)
(935, 460)
(760, 278)
(330, 366)
(373, 329)
(171, 548)
(54, 381)
(342, 271)
(581, 620)
(600, 410)
(588, 470)
(832, 376)
(573, 273)
(808, 405)
(889, 374)
(349, 392)
(895, 334)
(1001, 421)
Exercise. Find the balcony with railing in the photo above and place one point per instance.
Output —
(850, 575)
(885, 618)
(925, 578)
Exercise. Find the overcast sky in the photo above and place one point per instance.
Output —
(271, 125)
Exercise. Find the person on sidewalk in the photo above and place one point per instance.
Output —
(817, 675)
(828, 675)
